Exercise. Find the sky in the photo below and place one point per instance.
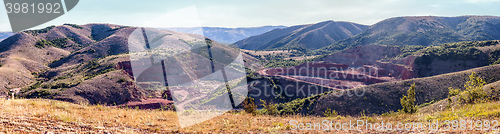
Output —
(235, 13)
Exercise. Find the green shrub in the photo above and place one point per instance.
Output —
(121, 80)
(453, 92)
(496, 62)
(249, 106)
(74, 25)
(44, 93)
(330, 113)
(42, 43)
(59, 43)
(36, 32)
(408, 102)
(474, 92)
(270, 108)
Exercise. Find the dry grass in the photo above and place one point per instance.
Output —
(122, 120)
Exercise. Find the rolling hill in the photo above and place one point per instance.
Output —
(91, 63)
(425, 30)
(226, 35)
(385, 97)
(301, 37)
(433, 69)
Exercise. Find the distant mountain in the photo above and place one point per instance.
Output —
(426, 31)
(311, 36)
(226, 35)
(5, 35)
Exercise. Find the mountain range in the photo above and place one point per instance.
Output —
(310, 36)
(226, 35)
(329, 36)
(425, 31)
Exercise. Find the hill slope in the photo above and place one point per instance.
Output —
(89, 63)
(301, 37)
(385, 97)
(426, 31)
(226, 35)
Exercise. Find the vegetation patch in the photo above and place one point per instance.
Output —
(59, 43)
(74, 25)
(36, 32)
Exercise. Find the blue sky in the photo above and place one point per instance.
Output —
(233, 13)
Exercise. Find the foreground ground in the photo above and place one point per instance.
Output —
(40, 116)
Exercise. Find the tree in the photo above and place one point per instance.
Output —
(474, 92)
(249, 106)
(269, 107)
(408, 102)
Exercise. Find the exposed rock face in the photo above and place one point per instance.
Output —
(337, 76)
(396, 70)
(350, 68)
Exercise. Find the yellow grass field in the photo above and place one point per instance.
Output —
(40, 116)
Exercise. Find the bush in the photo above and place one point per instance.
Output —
(474, 92)
(36, 32)
(330, 113)
(496, 62)
(452, 92)
(270, 108)
(408, 102)
(121, 80)
(59, 43)
(249, 106)
(42, 43)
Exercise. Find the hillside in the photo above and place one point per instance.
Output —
(385, 97)
(452, 57)
(302, 37)
(90, 64)
(383, 72)
(364, 65)
(226, 35)
(426, 31)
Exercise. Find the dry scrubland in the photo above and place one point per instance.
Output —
(41, 115)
